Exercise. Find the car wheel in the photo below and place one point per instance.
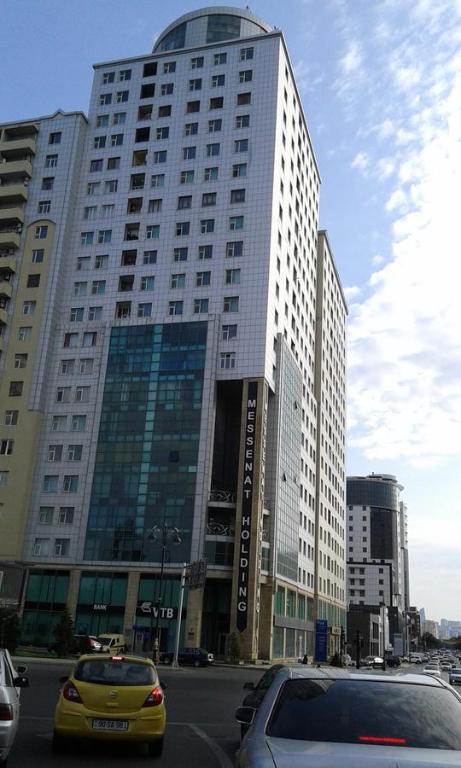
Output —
(155, 748)
(196, 663)
(59, 743)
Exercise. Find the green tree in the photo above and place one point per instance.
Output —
(9, 629)
(64, 633)
(429, 641)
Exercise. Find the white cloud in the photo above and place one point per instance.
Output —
(351, 62)
(351, 292)
(361, 161)
(377, 260)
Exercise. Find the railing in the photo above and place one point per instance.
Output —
(228, 497)
(216, 528)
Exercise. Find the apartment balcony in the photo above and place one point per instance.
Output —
(9, 239)
(17, 148)
(13, 194)
(5, 289)
(20, 168)
(11, 216)
(222, 498)
(7, 264)
(3, 316)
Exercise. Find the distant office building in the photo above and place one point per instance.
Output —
(431, 627)
(377, 559)
(449, 629)
(173, 352)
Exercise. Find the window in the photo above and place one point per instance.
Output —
(63, 395)
(50, 483)
(208, 198)
(217, 80)
(86, 238)
(196, 84)
(184, 202)
(33, 281)
(94, 313)
(200, 306)
(162, 133)
(113, 163)
(235, 222)
(145, 112)
(98, 287)
(76, 314)
(11, 418)
(54, 453)
(152, 231)
(220, 58)
(206, 226)
(44, 206)
(178, 280)
(105, 99)
(168, 67)
(90, 211)
(155, 206)
(175, 308)
(58, 423)
(227, 360)
(24, 332)
(80, 288)
(212, 150)
(142, 134)
(166, 89)
(217, 102)
(205, 252)
(229, 332)
(41, 232)
(147, 283)
(70, 340)
(78, 423)
(214, 125)
(196, 63)
(82, 394)
(164, 110)
(246, 76)
(202, 278)
(96, 165)
(86, 365)
(232, 276)
(89, 339)
(160, 156)
(149, 69)
(187, 177)
(108, 77)
(180, 254)
(93, 188)
(242, 121)
(104, 236)
(241, 145)
(243, 98)
(189, 153)
(134, 205)
(211, 174)
(55, 138)
(61, 547)
(124, 74)
(119, 118)
(145, 310)
(101, 261)
(99, 142)
(121, 96)
(45, 515)
(149, 257)
(6, 447)
(137, 181)
(192, 106)
(182, 228)
(116, 140)
(231, 304)
(246, 54)
(66, 514)
(239, 170)
(28, 307)
(158, 180)
(237, 196)
(41, 547)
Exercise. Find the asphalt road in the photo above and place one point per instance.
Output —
(201, 730)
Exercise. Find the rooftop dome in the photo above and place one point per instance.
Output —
(214, 24)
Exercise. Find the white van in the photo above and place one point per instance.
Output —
(112, 643)
(416, 658)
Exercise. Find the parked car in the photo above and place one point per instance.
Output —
(393, 661)
(258, 691)
(109, 698)
(455, 676)
(196, 657)
(373, 661)
(446, 665)
(80, 644)
(314, 717)
(11, 682)
(112, 643)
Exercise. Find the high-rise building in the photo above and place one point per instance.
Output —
(377, 556)
(173, 353)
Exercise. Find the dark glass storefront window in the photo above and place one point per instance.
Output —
(46, 596)
(222, 27)
(151, 410)
(103, 588)
(382, 527)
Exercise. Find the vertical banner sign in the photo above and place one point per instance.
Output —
(247, 502)
(321, 639)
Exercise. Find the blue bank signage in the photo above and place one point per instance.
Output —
(321, 639)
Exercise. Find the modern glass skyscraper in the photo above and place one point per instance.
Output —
(174, 329)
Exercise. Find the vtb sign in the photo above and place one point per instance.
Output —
(148, 608)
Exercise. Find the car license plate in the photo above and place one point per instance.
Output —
(110, 725)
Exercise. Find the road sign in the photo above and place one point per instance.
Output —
(321, 639)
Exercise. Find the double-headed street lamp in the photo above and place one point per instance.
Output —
(164, 534)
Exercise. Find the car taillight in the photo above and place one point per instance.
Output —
(154, 698)
(383, 740)
(6, 712)
(70, 693)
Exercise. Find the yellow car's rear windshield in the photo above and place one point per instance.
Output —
(114, 672)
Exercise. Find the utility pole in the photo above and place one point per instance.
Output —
(178, 621)
(357, 649)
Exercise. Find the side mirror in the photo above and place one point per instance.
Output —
(63, 678)
(163, 685)
(21, 682)
(245, 715)
(249, 686)
(22, 669)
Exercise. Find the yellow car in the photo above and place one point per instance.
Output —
(111, 698)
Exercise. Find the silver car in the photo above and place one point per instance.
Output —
(325, 718)
(11, 682)
(455, 676)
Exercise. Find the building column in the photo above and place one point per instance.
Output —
(131, 602)
(194, 618)
(72, 594)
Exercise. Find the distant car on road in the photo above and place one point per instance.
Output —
(432, 669)
(446, 665)
(372, 661)
(393, 661)
(455, 676)
(11, 682)
(196, 657)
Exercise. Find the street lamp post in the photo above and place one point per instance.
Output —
(165, 534)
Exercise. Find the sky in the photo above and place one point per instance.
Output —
(380, 82)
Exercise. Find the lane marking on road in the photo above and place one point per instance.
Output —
(219, 753)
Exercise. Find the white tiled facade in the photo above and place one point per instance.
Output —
(196, 198)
